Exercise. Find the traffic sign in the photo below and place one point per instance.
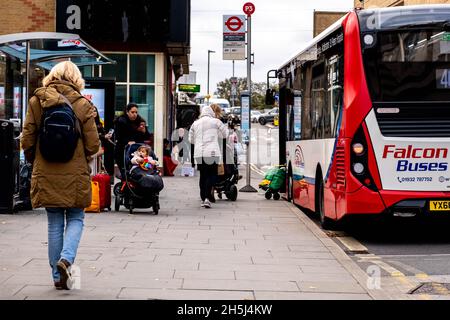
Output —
(249, 8)
(234, 37)
(234, 23)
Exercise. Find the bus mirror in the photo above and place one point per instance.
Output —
(270, 97)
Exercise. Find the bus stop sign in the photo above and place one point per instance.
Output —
(249, 8)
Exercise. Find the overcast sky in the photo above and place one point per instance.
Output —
(280, 28)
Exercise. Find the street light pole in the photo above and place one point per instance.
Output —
(207, 90)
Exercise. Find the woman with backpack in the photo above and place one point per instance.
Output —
(60, 180)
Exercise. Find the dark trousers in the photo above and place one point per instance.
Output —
(208, 175)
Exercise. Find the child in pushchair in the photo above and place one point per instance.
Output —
(142, 182)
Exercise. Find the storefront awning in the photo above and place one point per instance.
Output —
(49, 48)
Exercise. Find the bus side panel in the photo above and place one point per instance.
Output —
(330, 203)
(305, 156)
(357, 101)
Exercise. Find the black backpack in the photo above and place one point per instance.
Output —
(59, 132)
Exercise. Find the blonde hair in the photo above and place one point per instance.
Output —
(217, 110)
(67, 71)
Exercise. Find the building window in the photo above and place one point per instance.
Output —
(142, 68)
(118, 70)
(135, 82)
(144, 97)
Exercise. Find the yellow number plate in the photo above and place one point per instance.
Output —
(439, 205)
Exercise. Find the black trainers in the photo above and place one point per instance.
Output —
(65, 277)
(57, 285)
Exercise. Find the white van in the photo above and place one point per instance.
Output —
(223, 103)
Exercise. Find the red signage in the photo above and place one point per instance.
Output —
(234, 23)
(249, 8)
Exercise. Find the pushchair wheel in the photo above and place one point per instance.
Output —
(276, 196)
(232, 194)
(219, 194)
(117, 202)
(130, 204)
(156, 206)
(268, 195)
(116, 189)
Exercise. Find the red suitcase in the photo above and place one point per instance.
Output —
(104, 182)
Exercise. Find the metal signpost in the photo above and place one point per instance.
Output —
(249, 9)
(233, 81)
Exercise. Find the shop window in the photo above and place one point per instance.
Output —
(144, 97)
(121, 99)
(142, 68)
(118, 70)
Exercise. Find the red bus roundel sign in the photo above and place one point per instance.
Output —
(234, 23)
(249, 8)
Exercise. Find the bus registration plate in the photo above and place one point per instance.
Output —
(439, 205)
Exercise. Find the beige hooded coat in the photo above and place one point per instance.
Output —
(65, 185)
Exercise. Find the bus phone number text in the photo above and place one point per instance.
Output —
(414, 179)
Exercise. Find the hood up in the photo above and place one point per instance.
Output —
(48, 97)
(207, 112)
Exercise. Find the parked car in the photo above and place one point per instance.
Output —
(268, 116)
(255, 114)
(234, 116)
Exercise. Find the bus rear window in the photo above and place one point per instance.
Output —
(408, 65)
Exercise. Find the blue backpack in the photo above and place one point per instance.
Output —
(59, 132)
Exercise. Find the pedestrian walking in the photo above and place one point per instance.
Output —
(204, 135)
(61, 178)
(96, 163)
(104, 137)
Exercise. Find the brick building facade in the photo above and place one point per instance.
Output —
(26, 16)
(323, 19)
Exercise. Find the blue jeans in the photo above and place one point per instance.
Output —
(63, 245)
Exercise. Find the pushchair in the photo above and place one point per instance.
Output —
(227, 183)
(273, 181)
(137, 189)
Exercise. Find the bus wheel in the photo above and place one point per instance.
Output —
(290, 188)
(325, 222)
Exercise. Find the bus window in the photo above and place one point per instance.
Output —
(404, 65)
(318, 100)
(335, 96)
(306, 103)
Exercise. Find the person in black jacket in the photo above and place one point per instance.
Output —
(142, 135)
(104, 137)
(126, 132)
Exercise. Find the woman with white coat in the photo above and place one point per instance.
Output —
(205, 134)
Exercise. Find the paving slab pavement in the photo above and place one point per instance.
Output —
(249, 249)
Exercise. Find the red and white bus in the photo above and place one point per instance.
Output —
(367, 115)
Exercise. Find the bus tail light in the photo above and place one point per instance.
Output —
(358, 148)
(359, 160)
(358, 168)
